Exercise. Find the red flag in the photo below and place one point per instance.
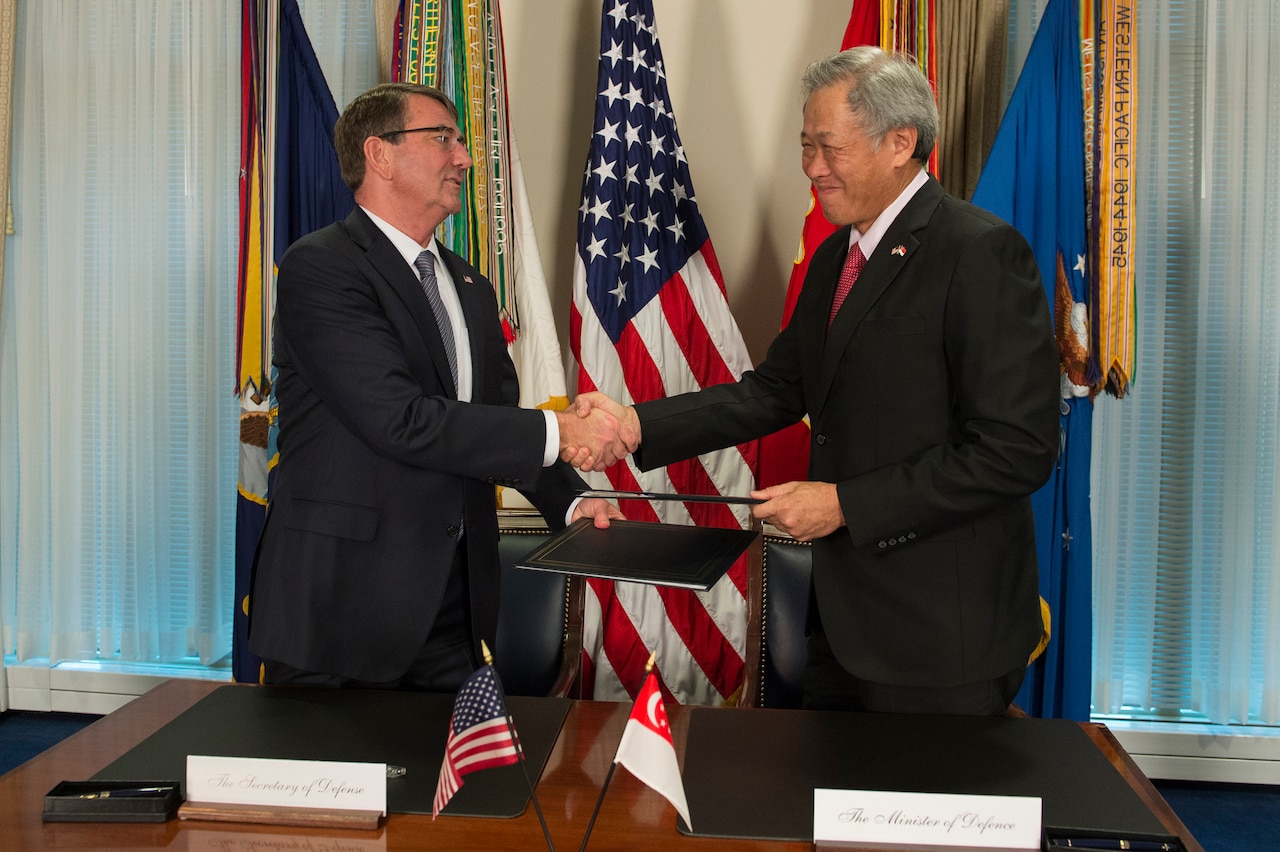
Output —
(646, 748)
(784, 455)
(480, 736)
(650, 319)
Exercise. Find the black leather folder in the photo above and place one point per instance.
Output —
(660, 554)
(739, 787)
(406, 729)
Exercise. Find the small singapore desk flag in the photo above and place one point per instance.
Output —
(646, 747)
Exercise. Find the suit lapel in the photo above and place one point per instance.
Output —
(881, 272)
(404, 281)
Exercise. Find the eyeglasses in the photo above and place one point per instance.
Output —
(443, 134)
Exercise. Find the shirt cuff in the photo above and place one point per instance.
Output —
(551, 451)
(573, 507)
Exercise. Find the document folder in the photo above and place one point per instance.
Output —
(404, 729)
(660, 554)
(670, 498)
(766, 791)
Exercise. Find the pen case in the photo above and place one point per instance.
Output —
(112, 801)
(1074, 841)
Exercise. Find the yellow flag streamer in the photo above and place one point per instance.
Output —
(1115, 118)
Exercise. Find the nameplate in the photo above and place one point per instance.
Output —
(942, 820)
(229, 840)
(320, 784)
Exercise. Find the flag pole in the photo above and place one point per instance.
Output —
(648, 667)
(511, 728)
(599, 802)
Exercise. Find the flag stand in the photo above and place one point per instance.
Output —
(648, 669)
(524, 766)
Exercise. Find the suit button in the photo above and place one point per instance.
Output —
(820, 439)
(902, 539)
(514, 483)
(911, 535)
(884, 544)
(492, 480)
(451, 530)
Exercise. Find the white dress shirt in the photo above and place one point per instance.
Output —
(410, 249)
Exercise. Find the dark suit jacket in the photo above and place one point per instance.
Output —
(933, 403)
(380, 466)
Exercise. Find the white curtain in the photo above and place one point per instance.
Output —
(8, 23)
(344, 36)
(118, 429)
(1187, 585)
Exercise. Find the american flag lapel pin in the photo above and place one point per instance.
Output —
(900, 251)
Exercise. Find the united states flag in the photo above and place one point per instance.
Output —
(479, 736)
(650, 319)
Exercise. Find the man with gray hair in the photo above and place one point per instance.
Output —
(921, 350)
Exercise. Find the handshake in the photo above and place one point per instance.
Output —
(596, 432)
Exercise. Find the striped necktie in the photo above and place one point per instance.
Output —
(852, 267)
(426, 266)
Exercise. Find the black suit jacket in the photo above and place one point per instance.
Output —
(933, 403)
(380, 466)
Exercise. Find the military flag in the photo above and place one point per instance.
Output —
(290, 185)
(1034, 179)
(456, 46)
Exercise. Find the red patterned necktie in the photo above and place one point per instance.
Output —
(852, 266)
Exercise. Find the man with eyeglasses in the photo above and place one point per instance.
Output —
(378, 564)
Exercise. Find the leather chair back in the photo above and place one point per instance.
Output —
(538, 647)
(778, 612)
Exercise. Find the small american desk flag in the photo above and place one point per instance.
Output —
(479, 736)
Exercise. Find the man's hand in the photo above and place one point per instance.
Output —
(584, 403)
(803, 510)
(592, 438)
(586, 456)
(599, 510)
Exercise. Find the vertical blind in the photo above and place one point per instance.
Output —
(1187, 571)
(117, 426)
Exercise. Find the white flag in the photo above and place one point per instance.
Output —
(647, 750)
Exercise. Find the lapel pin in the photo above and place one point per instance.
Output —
(900, 251)
(467, 278)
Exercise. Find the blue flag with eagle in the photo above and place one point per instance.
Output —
(1034, 179)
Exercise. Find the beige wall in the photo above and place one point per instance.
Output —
(733, 69)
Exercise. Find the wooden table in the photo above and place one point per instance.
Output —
(632, 817)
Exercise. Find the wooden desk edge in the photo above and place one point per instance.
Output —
(1128, 769)
(113, 735)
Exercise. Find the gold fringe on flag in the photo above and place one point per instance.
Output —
(1113, 197)
(911, 27)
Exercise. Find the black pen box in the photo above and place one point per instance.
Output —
(112, 801)
(1058, 840)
